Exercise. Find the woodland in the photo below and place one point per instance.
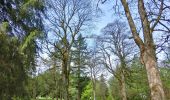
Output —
(52, 50)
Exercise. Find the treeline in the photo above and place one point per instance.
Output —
(44, 51)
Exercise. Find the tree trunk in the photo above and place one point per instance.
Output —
(79, 88)
(34, 90)
(122, 86)
(65, 85)
(154, 80)
(94, 95)
(94, 89)
(65, 77)
(79, 95)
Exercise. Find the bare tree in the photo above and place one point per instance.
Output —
(115, 45)
(94, 68)
(65, 19)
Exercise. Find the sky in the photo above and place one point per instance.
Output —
(106, 17)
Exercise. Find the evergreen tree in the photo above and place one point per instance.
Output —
(137, 87)
(22, 16)
(102, 89)
(20, 24)
(79, 57)
(13, 69)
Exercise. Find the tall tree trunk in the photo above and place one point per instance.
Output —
(34, 89)
(93, 78)
(94, 92)
(79, 88)
(65, 77)
(94, 89)
(78, 75)
(122, 86)
(154, 80)
(65, 84)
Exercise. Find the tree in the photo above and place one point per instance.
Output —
(150, 20)
(87, 93)
(18, 37)
(114, 89)
(138, 88)
(115, 42)
(79, 56)
(23, 17)
(94, 69)
(165, 70)
(102, 89)
(84, 80)
(13, 69)
(165, 75)
(136, 83)
(66, 19)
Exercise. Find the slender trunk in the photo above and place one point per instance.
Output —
(79, 94)
(61, 97)
(123, 87)
(79, 88)
(94, 89)
(93, 84)
(34, 90)
(154, 80)
(94, 94)
(78, 75)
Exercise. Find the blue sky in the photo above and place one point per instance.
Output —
(106, 17)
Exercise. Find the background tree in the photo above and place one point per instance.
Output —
(138, 88)
(102, 89)
(94, 69)
(66, 19)
(165, 74)
(79, 56)
(88, 92)
(115, 45)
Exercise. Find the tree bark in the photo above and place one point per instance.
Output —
(94, 89)
(65, 77)
(123, 87)
(155, 84)
(122, 77)
(79, 88)
(78, 83)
